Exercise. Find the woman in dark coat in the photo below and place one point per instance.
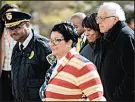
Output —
(93, 35)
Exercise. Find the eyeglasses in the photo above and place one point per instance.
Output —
(15, 28)
(55, 41)
(102, 18)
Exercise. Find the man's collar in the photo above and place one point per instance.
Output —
(27, 40)
(83, 37)
(114, 31)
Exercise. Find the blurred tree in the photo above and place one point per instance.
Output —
(46, 13)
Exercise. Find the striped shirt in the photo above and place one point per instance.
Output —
(8, 52)
(75, 75)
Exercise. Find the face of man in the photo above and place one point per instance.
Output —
(78, 25)
(131, 24)
(105, 20)
(20, 32)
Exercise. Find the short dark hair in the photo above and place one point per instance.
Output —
(90, 22)
(2, 11)
(68, 31)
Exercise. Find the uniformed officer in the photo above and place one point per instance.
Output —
(28, 61)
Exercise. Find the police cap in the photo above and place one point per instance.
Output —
(14, 18)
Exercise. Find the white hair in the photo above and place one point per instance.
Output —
(78, 15)
(114, 9)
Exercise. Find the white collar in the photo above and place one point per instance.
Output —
(83, 37)
(61, 60)
(27, 40)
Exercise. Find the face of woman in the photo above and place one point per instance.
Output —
(91, 35)
(58, 45)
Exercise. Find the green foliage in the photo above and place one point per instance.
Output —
(46, 13)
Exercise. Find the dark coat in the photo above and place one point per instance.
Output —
(29, 68)
(89, 49)
(87, 52)
(115, 63)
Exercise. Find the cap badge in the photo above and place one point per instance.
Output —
(9, 16)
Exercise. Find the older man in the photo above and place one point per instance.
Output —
(28, 61)
(116, 61)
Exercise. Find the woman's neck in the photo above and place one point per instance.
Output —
(62, 54)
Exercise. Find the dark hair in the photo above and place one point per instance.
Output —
(90, 22)
(129, 16)
(68, 31)
(2, 11)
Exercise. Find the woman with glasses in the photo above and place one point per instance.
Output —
(73, 77)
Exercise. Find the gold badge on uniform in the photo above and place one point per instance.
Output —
(9, 16)
(31, 55)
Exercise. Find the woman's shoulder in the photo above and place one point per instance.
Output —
(87, 47)
(79, 61)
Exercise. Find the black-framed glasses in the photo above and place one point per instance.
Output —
(103, 18)
(16, 28)
(56, 40)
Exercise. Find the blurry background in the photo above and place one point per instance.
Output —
(46, 13)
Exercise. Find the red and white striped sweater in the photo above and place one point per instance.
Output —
(74, 76)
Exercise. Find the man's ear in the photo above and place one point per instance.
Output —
(116, 19)
(69, 43)
(28, 24)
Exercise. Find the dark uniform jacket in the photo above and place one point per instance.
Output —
(29, 67)
(115, 63)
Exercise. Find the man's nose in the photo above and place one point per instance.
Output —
(98, 21)
(12, 32)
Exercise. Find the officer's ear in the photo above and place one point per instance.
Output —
(28, 24)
